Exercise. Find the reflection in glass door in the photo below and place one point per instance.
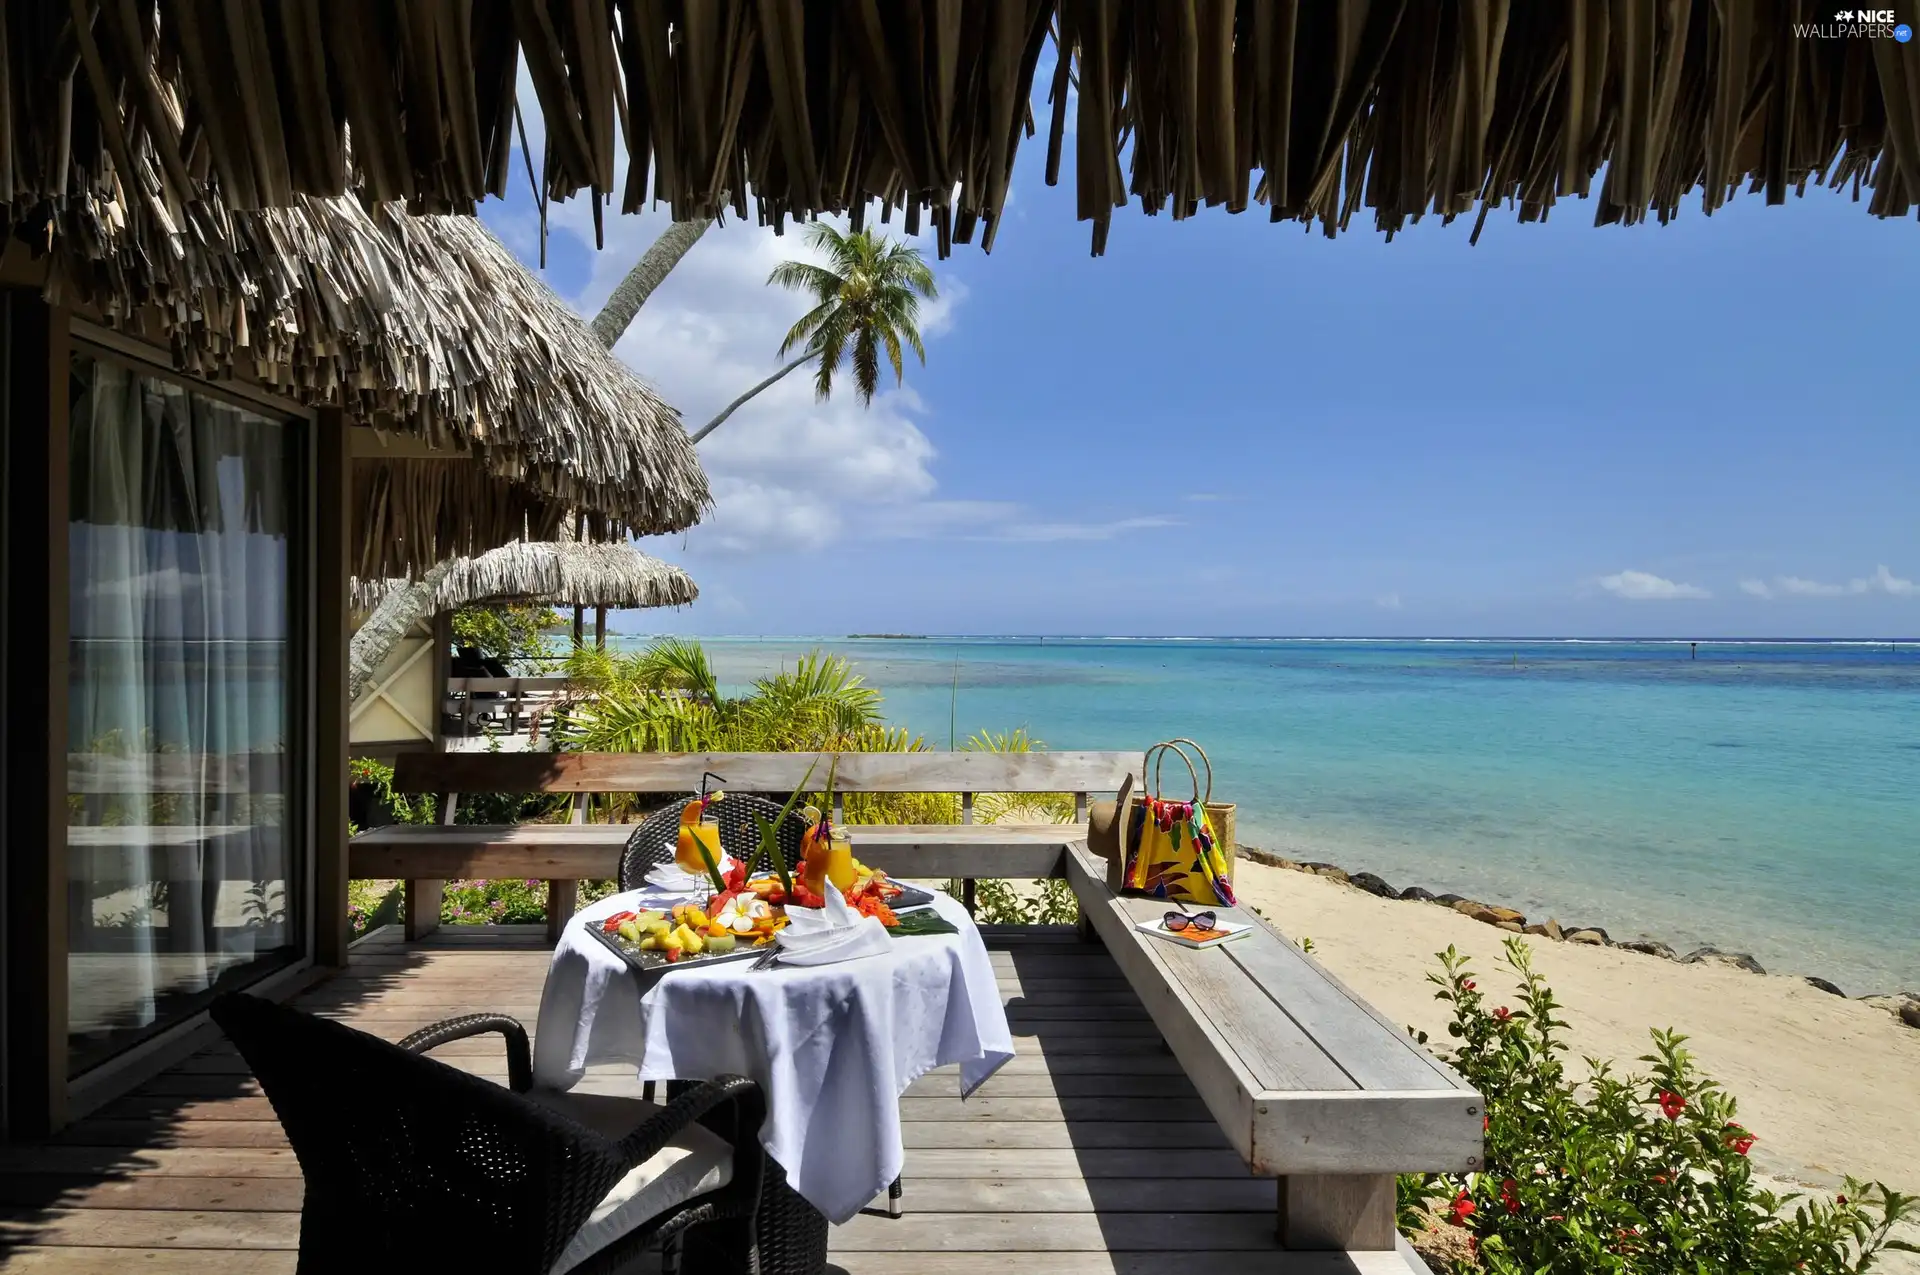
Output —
(183, 851)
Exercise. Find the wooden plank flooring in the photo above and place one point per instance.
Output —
(1090, 1147)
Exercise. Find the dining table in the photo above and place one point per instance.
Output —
(833, 1046)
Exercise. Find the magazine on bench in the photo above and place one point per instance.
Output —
(1193, 935)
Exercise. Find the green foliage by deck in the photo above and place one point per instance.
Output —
(666, 698)
(514, 635)
(1620, 1175)
(378, 776)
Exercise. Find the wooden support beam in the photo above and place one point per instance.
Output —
(37, 347)
(563, 899)
(421, 906)
(1345, 1213)
(332, 636)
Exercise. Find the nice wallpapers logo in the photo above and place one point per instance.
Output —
(1853, 24)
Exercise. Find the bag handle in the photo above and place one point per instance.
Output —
(1156, 758)
(1204, 761)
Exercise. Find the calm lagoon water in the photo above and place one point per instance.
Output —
(1763, 797)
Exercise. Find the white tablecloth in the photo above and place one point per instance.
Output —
(833, 1046)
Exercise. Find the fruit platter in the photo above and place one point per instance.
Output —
(742, 914)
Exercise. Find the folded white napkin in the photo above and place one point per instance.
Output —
(670, 877)
(822, 936)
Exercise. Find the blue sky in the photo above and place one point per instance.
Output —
(1226, 426)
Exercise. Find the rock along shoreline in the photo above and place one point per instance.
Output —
(1904, 1006)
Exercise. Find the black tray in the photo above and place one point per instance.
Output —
(650, 967)
(910, 896)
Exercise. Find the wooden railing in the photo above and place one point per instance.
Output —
(503, 704)
(564, 855)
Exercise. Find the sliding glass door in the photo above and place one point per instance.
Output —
(185, 859)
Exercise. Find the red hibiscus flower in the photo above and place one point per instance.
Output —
(1468, 984)
(1460, 1210)
(1671, 1104)
(1503, 1013)
(1507, 1196)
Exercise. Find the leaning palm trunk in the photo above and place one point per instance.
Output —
(730, 408)
(397, 612)
(647, 274)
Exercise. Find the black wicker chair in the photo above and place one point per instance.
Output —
(414, 1165)
(654, 840)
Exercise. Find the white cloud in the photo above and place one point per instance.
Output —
(1796, 587)
(996, 521)
(1388, 602)
(786, 470)
(1889, 583)
(784, 466)
(1045, 531)
(1642, 586)
(1882, 581)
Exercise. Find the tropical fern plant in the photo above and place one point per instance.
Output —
(1016, 807)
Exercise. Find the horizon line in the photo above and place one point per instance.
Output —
(1721, 640)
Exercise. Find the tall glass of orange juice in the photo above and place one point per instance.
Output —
(840, 861)
(707, 831)
(694, 837)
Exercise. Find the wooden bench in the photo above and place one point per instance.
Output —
(1309, 1082)
(563, 855)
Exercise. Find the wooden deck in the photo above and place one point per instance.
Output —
(1089, 1147)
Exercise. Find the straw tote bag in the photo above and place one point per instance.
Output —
(1171, 848)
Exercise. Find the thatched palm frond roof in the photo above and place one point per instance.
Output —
(1319, 111)
(424, 326)
(558, 573)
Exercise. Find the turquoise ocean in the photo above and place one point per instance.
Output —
(1760, 796)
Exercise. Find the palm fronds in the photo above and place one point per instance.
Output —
(677, 664)
(1016, 807)
(867, 299)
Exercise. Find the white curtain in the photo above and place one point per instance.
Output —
(179, 686)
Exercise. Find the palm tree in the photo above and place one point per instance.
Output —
(867, 301)
(658, 261)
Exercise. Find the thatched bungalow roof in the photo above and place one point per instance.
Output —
(426, 327)
(1318, 111)
(559, 573)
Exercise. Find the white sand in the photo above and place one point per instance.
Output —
(1830, 1086)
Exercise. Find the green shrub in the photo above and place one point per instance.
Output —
(1627, 1175)
(503, 901)
(372, 904)
(512, 634)
(1000, 903)
(378, 776)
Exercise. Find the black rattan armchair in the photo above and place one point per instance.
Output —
(654, 840)
(414, 1165)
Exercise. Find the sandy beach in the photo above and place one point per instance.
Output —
(1830, 1085)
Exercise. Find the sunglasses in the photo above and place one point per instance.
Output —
(1178, 921)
